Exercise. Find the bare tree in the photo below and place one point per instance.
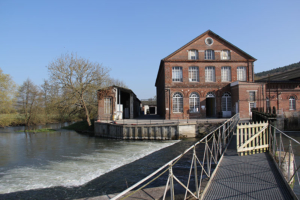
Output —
(116, 82)
(79, 78)
(28, 100)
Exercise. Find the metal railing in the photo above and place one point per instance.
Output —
(204, 156)
(286, 154)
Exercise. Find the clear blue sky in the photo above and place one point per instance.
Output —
(132, 36)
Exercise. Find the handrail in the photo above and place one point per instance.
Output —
(287, 163)
(215, 143)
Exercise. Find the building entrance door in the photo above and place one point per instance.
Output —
(210, 105)
(226, 105)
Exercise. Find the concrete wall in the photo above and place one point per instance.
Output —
(153, 132)
(138, 132)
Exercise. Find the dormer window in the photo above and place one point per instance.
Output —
(193, 54)
(225, 55)
(209, 54)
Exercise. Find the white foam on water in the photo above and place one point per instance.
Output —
(76, 171)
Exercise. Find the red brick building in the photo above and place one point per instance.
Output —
(195, 80)
(119, 102)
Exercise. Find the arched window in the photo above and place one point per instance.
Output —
(193, 54)
(194, 103)
(210, 95)
(226, 102)
(292, 101)
(209, 54)
(177, 102)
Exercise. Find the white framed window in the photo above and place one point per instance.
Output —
(210, 75)
(194, 103)
(252, 96)
(177, 74)
(107, 105)
(209, 54)
(193, 54)
(225, 55)
(193, 74)
(292, 103)
(226, 102)
(226, 74)
(177, 103)
(241, 74)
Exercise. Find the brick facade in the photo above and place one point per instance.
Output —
(209, 107)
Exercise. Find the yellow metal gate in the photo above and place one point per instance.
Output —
(252, 138)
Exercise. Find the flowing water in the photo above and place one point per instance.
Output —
(63, 158)
(67, 165)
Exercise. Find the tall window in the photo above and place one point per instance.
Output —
(193, 74)
(241, 74)
(209, 54)
(210, 75)
(194, 103)
(268, 102)
(292, 103)
(226, 102)
(177, 103)
(252, 96)
(226, 74)
(225, 55)
(193, 54)
(177, 74)
(107, 105)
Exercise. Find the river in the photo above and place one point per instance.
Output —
(34, 161)
(67, 165)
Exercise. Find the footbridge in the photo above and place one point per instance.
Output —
(235, 161)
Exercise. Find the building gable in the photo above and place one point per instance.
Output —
(200, 44)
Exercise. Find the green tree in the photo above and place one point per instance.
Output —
(7, 93)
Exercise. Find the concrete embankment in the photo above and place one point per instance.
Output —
(165, 131)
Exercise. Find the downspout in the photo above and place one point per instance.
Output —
(169, 103)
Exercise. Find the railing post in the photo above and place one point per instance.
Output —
(207, 157)
(171, 183)
(280, 149)
(289, 165)
(195, 170)
(274, 142)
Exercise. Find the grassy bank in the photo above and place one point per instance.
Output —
(47, 130)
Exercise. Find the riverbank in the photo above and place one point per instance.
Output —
(16, 119)
(81, 127)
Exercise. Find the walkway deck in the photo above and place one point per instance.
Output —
(247, 177)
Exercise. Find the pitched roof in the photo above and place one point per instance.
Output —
(283, 76)
(200, 36)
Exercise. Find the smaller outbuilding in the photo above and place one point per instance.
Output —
(149, 106)
(115, 103)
